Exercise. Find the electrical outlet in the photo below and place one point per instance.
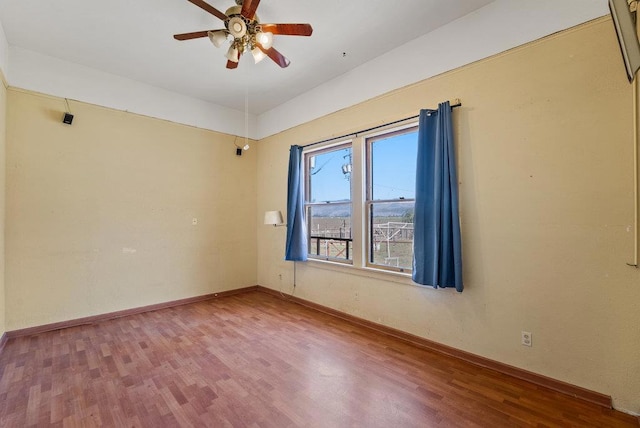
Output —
(526, 338)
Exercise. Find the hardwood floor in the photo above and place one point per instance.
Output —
(254, 360)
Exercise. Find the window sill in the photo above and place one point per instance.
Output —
(368, 272)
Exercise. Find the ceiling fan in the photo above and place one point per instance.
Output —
(245, 32)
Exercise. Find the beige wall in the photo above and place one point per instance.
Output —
(99, 214)
(3, 122)
(546, 169)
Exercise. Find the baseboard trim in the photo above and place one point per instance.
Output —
(537, 379)
(3, 341)
(118, 314)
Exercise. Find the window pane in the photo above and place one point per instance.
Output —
(330, 176)
(391, 234)
(330, 231)
(393, 163)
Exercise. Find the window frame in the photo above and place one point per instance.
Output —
(360, 218)
(369, 202)
(308, 205)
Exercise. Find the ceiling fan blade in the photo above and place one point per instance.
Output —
(249, 8)
(288, 29)
(231, 64)
(189, 36)
(276, 56)
(212, 10)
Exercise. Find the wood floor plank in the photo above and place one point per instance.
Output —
(254, 360)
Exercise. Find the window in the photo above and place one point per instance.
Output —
(328, 203)
(360, 200)
(391, 175)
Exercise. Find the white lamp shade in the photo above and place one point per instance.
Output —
(273, 217)
(218, 37)
(265, 39)
(258, 55)
(233, 54)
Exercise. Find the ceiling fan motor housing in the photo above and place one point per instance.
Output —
(237, 27)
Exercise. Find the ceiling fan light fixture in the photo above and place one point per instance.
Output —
(265, 39)
(245, 32)
(233, 54)
(218, 38)
(258, 55)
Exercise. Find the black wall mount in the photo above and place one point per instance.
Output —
(67, 118)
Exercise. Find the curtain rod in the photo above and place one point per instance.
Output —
(457, 103)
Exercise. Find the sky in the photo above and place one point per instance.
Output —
(394, 169)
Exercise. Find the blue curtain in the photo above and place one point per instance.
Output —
(296, 249)
(437, 252)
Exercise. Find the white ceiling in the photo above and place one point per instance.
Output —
(122, 55)
(133, 39)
